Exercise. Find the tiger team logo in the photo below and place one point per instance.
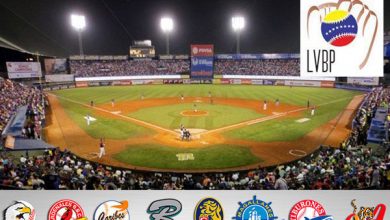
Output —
(20, 210)
(112, 210)
(208, 209)
(308, 210)
(341, 38)
(367, 213)
(66, 209)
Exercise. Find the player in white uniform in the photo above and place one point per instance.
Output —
(102, 150)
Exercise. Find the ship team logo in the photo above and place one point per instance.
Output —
(308, 210)
(208, 209)
(66, 209)
(20, 210)
(255, 210)
(164, 209)
(112, 210)
(342, 38)
(367, 212)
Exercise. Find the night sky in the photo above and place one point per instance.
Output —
(44, 25)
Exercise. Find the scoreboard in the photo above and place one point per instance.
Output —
(142, 52)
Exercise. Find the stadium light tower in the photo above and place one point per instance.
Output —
(238, 23)
(78, 23)
(166, 25)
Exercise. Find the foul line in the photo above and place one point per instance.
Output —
(145, 124)
(268, 118)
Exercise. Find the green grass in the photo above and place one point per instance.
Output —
(163, 157)
(102, 127)
(288, 129)
(218, 116)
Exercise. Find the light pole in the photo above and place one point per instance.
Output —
(78, 23)
(166, 25)
(238, 23)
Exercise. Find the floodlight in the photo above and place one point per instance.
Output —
(166, 24)
(78, 21)
(238, 23)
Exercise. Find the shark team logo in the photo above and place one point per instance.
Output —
(308, 210)
(164, 209)
(341, 38)
(66, 209)
(255, 210)
(112, 210)
(20, 210)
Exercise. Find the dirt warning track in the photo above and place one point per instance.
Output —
(65, 133)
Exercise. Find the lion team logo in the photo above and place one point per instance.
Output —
(208, 209)
(112, 210)
(341, 38)
(308, 210)
(255, 210)
(367, 213)
(66, 209)
(20, 210)
(164, 209)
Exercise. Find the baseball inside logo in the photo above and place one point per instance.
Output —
(339, 28)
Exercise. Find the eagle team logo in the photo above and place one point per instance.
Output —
(255, 210)
(164, 209)
(367, 213)
(112, 210)
(66, 209)
(341, 38)
(20, 210)
(308, 210)
(208, 209)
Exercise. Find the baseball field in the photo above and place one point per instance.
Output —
(230, 127)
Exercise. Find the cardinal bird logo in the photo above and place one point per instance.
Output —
(66, 209)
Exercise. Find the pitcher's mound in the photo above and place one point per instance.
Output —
(193, 113)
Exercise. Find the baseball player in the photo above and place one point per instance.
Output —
(113, 103)
(91, 103)
(313, 109)
(182, 97)
(102, 151)
(277, 102)
(265, 105)
(195, 108)
(88, 119)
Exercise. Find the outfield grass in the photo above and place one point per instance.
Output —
(102, 127)
(163, 157)
(288, 129)
(218, 116)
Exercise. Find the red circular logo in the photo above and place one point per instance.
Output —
(306, 209)
(66, 209)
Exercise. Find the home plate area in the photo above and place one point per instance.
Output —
(195, 133)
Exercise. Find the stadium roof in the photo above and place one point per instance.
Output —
(43, 26)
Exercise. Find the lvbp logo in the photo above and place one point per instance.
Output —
(255, 210)
(208, 209)
(308, 210)
(342, 38)
(112, 210)
(20, 210)
(164, 209)
(66, 209)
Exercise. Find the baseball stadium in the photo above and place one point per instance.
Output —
(194, 116)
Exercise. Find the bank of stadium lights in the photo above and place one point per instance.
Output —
(238, 24)
(166, 24)
(78, 23)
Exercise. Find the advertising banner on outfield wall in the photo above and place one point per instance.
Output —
(18, 70)
(367, 81)
(342, 38)
(59, 78)
(196, 205)
(302, 83)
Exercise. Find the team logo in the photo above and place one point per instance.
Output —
(195, 50)
(164, 209)
(342, 38)
(112, 210)
(308, 210)
(208, 209)
(20, 210)
(255, 210)
(367, 213)
(66, 209)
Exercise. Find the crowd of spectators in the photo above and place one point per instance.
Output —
(14, 95)
(89, 68)
(353, 165)
(268, 67)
